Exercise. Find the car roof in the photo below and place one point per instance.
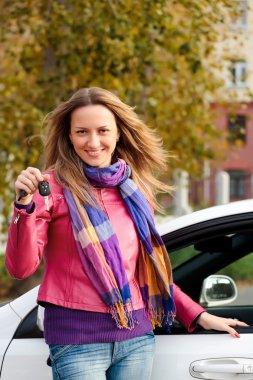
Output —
(215, 212)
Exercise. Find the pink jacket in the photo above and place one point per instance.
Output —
(49, 234)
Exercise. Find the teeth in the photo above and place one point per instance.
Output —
(93, 153)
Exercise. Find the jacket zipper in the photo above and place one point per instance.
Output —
(16, 221)
(101, 202)
(17, 217)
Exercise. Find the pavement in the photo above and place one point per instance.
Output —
(245, 296)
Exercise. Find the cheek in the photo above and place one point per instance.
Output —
(76, 142)
(112, 143)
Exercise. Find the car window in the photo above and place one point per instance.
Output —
(241, 271)
(229, 254)
(182, 255)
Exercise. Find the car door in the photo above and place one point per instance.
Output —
(196, 252)
(26, 355)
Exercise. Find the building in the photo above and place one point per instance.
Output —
(234, 117)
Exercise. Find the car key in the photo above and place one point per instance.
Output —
(22, 194)
(44, 190)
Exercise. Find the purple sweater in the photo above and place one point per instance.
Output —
(68, 326)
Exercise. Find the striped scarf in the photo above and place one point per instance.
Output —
(100, 254)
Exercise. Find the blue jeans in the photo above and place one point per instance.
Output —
(130, 359)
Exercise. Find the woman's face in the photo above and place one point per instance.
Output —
(94, 134)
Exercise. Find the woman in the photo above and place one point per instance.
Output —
(107, 279)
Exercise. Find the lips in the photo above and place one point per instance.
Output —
(94, 153)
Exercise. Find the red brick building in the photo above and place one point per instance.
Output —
(236, 121)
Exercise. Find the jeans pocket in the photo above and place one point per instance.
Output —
(56, 351)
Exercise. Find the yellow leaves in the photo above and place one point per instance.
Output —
(152, 53)
(238, 143)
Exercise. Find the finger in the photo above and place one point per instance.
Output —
(243, 324)
(36, 176)
(233, 332)
(234, 322)
(27, 182)
(31, 180)
(35, 172)
(21, 186)
(46, 177)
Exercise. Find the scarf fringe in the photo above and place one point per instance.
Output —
(159, 318)
(123, 315)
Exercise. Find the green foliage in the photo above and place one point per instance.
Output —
(182, 255)
(5, 280)
(3, 272)
(242, 270)
(155, 54)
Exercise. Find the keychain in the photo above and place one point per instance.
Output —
(44, 190)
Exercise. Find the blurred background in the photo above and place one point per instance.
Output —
(185, 65)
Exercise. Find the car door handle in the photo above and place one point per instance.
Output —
(237, 366)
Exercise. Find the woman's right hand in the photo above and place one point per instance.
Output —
(28, 180)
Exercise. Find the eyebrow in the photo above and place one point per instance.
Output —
(82, 127)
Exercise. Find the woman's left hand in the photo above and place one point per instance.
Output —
(212, 322)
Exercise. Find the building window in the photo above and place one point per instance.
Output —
(237, 129)
(240, 19)
(237, 184)
(238, 74)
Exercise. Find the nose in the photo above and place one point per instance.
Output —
(93, 141)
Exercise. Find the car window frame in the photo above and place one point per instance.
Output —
(198, 232)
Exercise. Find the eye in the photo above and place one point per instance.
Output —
(104, 130)
(81, 132)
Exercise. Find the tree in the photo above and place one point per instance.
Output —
(156, 55)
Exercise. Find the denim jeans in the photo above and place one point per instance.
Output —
(130, 359)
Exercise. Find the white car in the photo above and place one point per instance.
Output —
(217, 239)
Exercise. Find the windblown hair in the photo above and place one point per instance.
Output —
(138, 145)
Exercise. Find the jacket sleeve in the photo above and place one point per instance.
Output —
(27, 238)
(187, 310)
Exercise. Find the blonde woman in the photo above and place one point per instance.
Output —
(108, 279)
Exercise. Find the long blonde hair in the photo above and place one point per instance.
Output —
(138, 145)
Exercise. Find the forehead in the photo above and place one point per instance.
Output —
(96, 115)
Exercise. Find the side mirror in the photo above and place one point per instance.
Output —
(218, 290)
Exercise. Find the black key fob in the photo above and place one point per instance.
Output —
(44, 188)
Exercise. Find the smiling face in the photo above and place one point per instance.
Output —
(94, 134)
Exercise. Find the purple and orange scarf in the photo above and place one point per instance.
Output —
(100, 254)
